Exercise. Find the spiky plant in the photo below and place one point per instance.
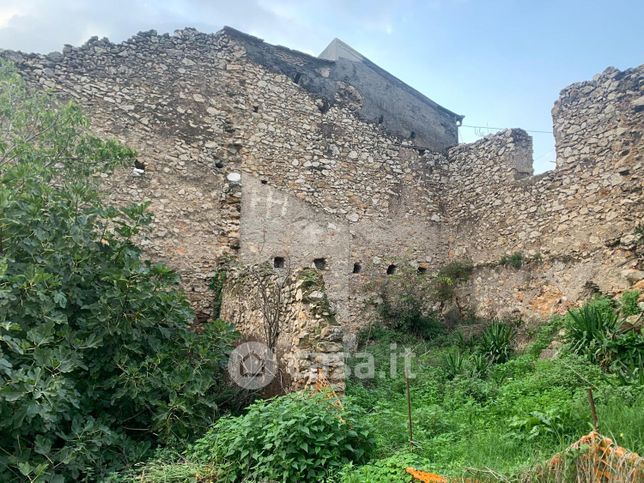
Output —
(496, 342)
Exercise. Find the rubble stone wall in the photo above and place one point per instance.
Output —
(310, 338)
(244, 158)
(571, 218)
(378, 97)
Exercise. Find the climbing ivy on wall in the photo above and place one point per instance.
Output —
(217, 286)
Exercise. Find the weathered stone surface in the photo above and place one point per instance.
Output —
(310, 338)
(241, 160)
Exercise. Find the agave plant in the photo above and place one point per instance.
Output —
(496, 342)
(454, 363)
(480, 365)
(588, 330)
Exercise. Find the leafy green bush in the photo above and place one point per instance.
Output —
(587, 330)
(596, 332)
(97, 359)
(403, 307)
(628, 303)
(496, 342)
(298, 437)
(623, 354)
(515, 260)
(449, 277)
(405, 314)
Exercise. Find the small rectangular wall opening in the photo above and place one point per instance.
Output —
(279, 262)
(320, 263)
(357, 267)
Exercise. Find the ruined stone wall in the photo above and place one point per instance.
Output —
(167, 97)
(380, 98)
(244, 158)
(599, 119)
(310, 338)
(241, 160)
(573, 217)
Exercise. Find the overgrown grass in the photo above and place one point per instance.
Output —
(506, 418)
(479, 410)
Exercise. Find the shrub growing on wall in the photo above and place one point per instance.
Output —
(447, 280)
(97, 362)
(404, 307)
(515, 260)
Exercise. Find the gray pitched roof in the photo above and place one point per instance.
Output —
(338, 49)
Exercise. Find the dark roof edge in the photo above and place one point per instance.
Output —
(244, 37)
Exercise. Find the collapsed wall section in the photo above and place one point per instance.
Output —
(293, 303)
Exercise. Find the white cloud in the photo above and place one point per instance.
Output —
(11, 10)
(46, 25)
(6, 14)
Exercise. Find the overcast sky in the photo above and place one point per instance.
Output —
(501, 63)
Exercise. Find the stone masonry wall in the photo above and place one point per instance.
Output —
(245, 159)
(150, 92)
(241, 160)
(573, 216)
(377, 97)
(310, 338)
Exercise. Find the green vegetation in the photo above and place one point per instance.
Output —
(404, 305)
(472, 412)
(97, 360)
(217, 286)
(102, 378)
(409, 299)
(597, 331)
(481, 409)
(628, 303)
(516, 260)
(298, 437)
(449, 277)
(496, 342)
